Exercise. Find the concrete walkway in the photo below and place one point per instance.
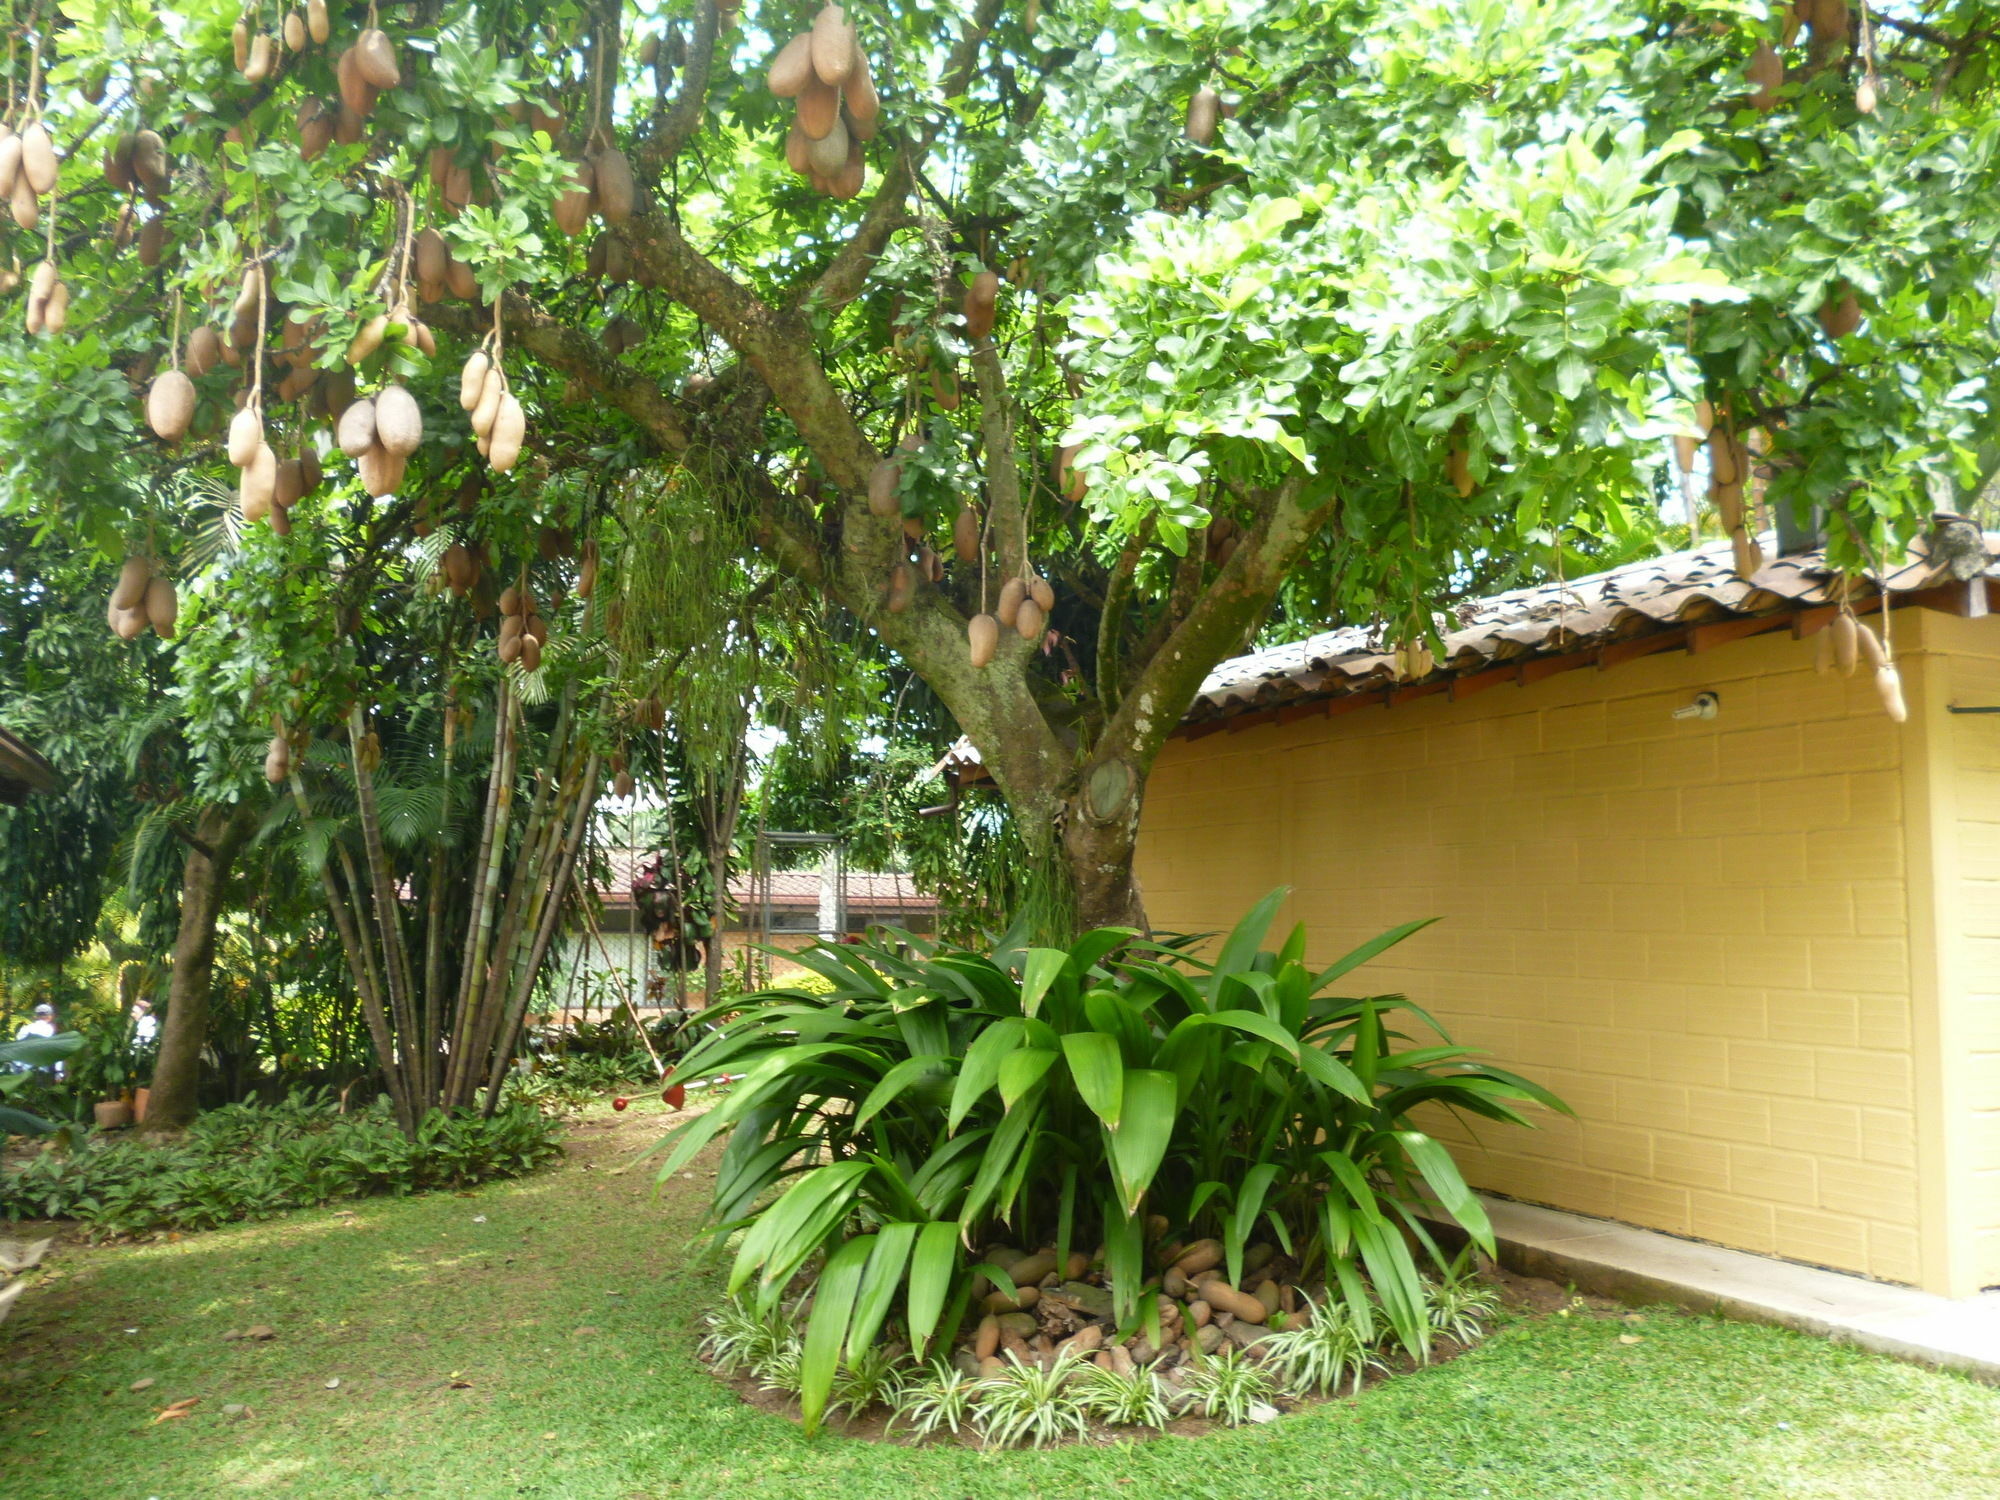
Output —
(1639, 1265)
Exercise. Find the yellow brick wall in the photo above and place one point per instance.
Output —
(1695, 932)
(1967, 670)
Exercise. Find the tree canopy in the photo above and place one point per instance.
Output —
(1184, 313)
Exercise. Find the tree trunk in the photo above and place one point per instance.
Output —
(219, 836)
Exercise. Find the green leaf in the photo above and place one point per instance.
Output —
(932, 1265)
(826, 1330)
(1098, 1069)
(1021, 1070)
(879, 1284)
(980, 1070)
(1041, 969)
(1145, 1129)
(1373, 948)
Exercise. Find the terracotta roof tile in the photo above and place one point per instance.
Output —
(1694, 586)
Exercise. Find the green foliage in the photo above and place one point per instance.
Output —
(1332, 1347)
(941, 1399)
(1029, 1404)
(936, 1094)
(1124, 1398)
(27, 1053)
(247, 1162)
(1225, 1387)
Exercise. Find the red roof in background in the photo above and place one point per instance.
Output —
(867, 890)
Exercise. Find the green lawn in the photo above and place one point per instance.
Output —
(568, 1315)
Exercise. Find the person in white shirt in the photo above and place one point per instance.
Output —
(145, 1025)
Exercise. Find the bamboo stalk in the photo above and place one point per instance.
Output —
(388, 908)
(479, 922)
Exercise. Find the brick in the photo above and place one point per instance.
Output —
(1868, 1192)
(1822, 1239)
(1893, 1252)
(1729, 1115)
(1880, 1078)
(1775, 1176)
(1767, 962)
(1770, 1068)
(1875, 965)
(1613, 1148)
(1692, 1163)
(1729, 1220)
(1804, 802)
(1652, 1205)
(1816, 1017)
(1656, 1106)
(1830, 1130)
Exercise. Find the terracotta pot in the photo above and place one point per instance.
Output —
(139, 1098)
(113, 1114)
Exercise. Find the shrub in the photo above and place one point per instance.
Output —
(1119, 1093)
(247, 1161)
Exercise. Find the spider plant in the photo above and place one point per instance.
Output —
(922, 1097)
(1329, 1348)
(873, 1378)
(1026, 1403)
(739, 1338)
(1225, 1387)
(782, 1369)
(1460, 1305)
(1135, 1398)
(942, 1398)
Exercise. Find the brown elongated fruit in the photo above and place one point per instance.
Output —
(1203, 111)
(170, 405)
(246, 436)
(492, 388)
(510, 426)
(317, 127)
(1684, 450)
(1041, 592)
(263, 57)
(1872, 651)
(902, 587)
(291, 484)
(858, 129)
(1889, 685)
(55, 312)
(152, 241)
(965, 534)
(130, 623)
(1728, 502)
(277, 760)
(1722, 458)
(38, 157)
(239, 44)
(295, 31)
(982, 635)
(460, 278)
(23, 205)
(828, 154)
(310, 472)
(1747, 555)
(509, 644)
(130, 590)
(819, 108)
(1823, 652)
(622, 785)
(357, 94)
(617, 193)
(257, 483)
(833, 43)
(319, 25)
(862, 100)
(846, 183)
(981, 301)
(349, 126)
(355, 431)
(472, 379)
(798, 149)
(1846, 642)
(791, 68)
(882, 482)
(1012, 594)
(204, 349)
(375, 56)
(368, 339)
(149, 162)
(399, 421)
(1840, 314)
(944, 389)
(381, 471)
(1029, 618)
(433, 262)
(531, 654)
(1766, 72)
(1070, 481)
(571, 210)
(163, 608)
(10, 162)
(1458, 471)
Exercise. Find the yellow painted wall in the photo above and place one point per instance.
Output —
(1696, 932)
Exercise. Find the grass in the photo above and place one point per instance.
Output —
(568, 1317)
